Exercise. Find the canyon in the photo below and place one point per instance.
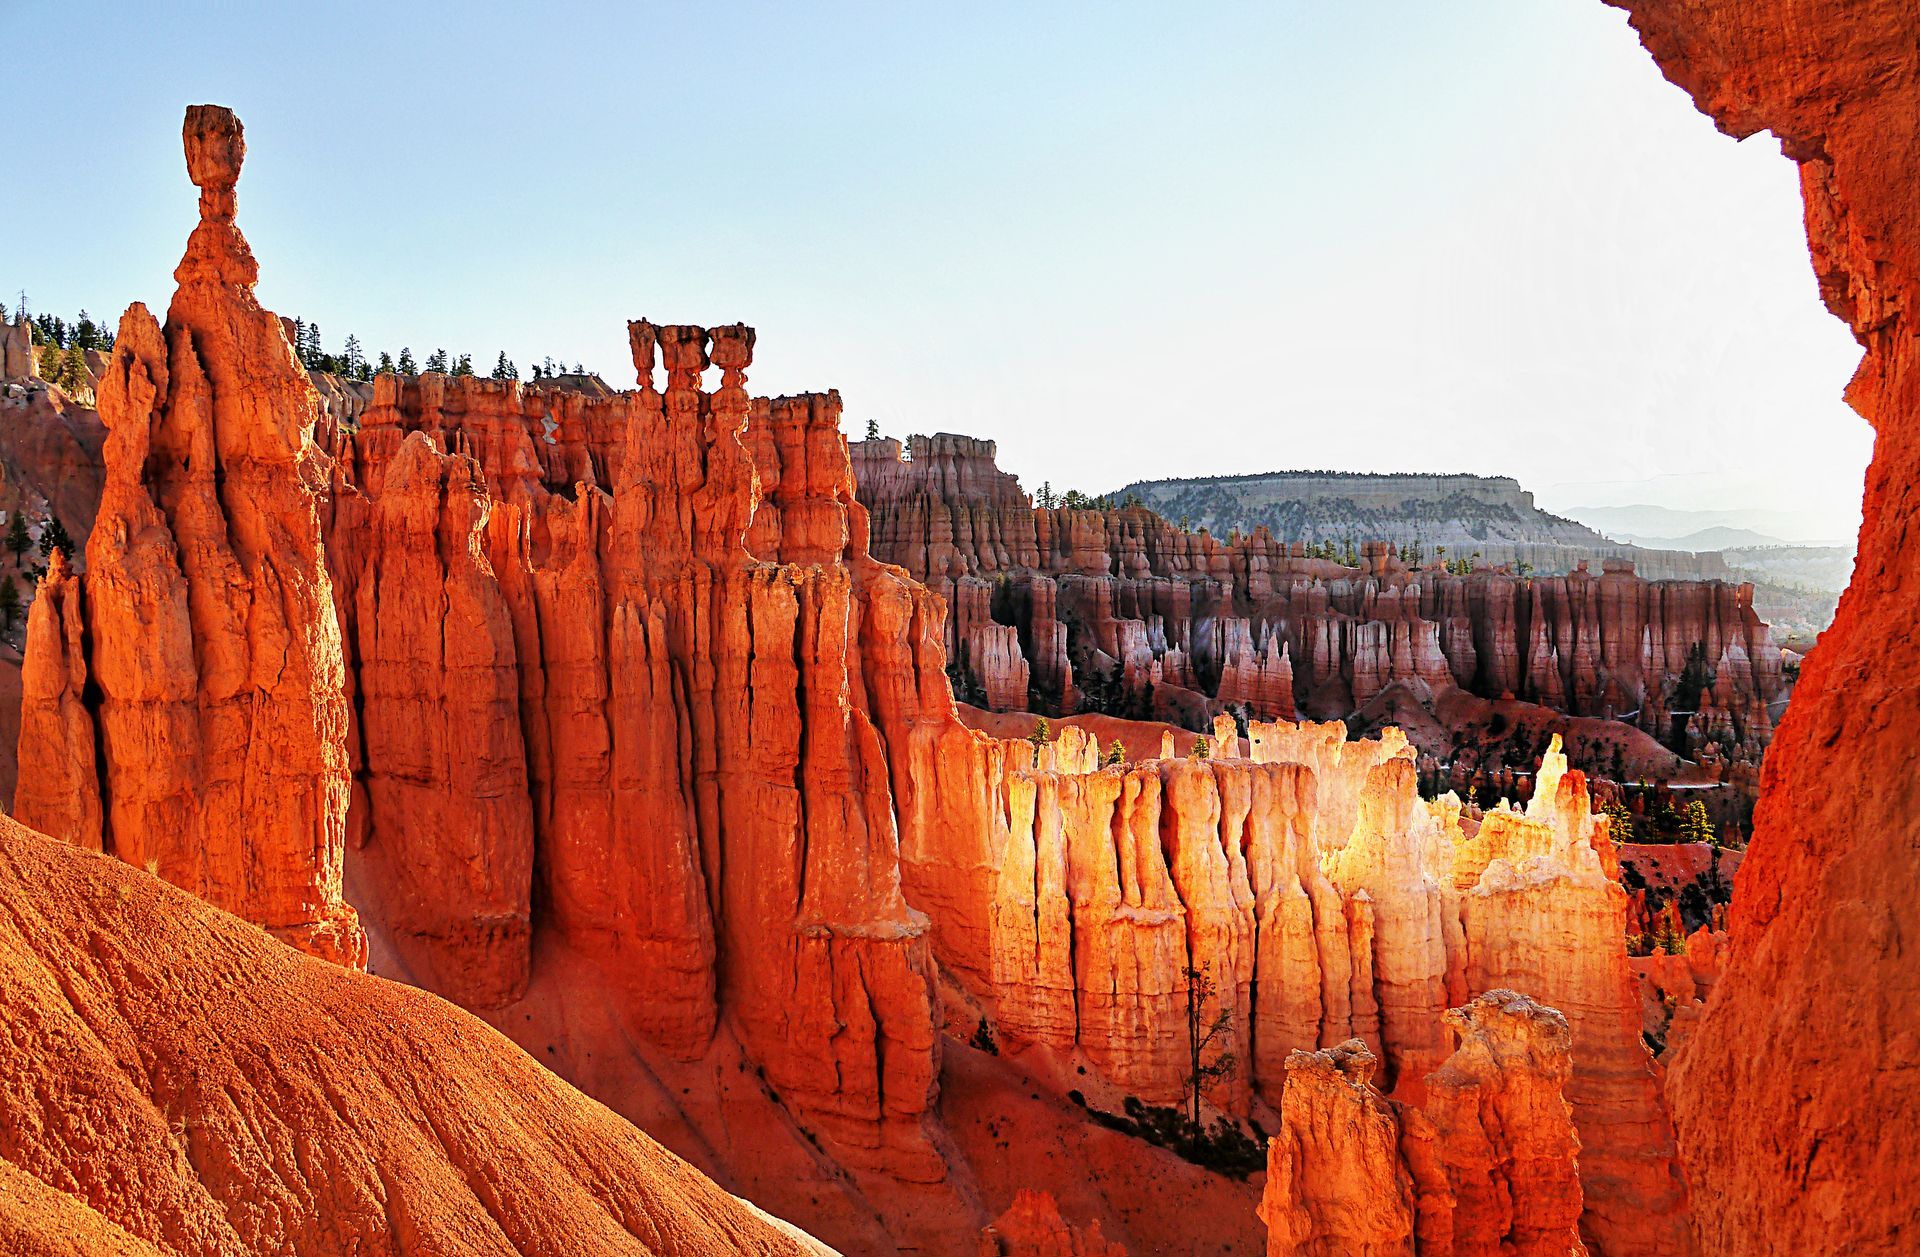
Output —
(610, 728)
(625, 721)
(1117, 611)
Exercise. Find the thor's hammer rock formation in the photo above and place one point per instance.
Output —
(222, 716)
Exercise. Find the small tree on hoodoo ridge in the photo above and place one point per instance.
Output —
(1206, 1026)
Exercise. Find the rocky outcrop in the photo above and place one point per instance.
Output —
(1182, 625)
(1820, 973)
(257, 1066)
(441, 816)
(61, 797)
(1032, 1227)
(207, 601)
(1485, 1165)
(1675, 986)
(1337, 1184)
(1503, 1135)
(17, 359)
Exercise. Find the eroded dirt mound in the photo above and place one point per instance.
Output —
(191, 1083)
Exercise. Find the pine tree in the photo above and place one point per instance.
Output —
(873, 429)
(1202, 749)
(353, 362)
(464, 366)
(504, 369)
(300, 340)
(1044, 495)
(406, 366)
(437, 361)
(1695, 826)
(1116, 754)
(49, 360)
(9, 600)
(54, 537)
(72, 375)
(1201, 1036)
(386, 364)
(17, 539)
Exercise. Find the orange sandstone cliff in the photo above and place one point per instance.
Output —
(1797, 1093)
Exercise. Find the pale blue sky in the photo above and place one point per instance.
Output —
(1482, 235)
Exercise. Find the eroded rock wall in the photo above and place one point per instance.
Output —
(1181, 625)
(1797, 1095)
(1305, 889)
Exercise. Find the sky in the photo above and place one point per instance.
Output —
(1123, 241)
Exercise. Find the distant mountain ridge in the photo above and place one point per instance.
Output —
(1491, 516)
(1718, 537)
(1401, 507)
(1673, 526)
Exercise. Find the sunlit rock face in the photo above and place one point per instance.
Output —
(1485, 1165)
(1323, 900)
(207, 605)
(1797, 1093)
(1117, 610)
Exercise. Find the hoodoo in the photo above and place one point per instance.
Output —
(207, 605)
(1485, 1166)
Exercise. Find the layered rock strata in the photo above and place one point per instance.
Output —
(1120, 611)
(1797, 1095)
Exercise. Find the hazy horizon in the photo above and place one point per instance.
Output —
(1122, 245)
